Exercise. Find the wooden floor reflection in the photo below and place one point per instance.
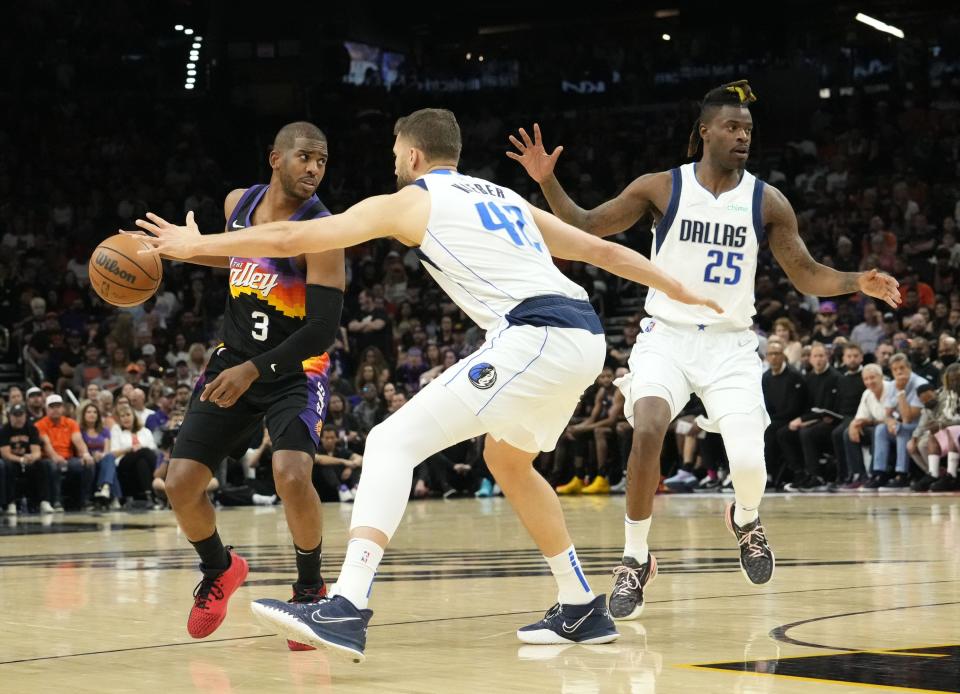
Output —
(866, 595)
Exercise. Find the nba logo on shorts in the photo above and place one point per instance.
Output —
(365, 557)
(647, 325)
(483, 375)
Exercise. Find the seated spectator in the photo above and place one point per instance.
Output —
(370, 411)
(65, 447)
(902, 410)
(23, 470)
(859, 433)
(340, 420)
(336, 470)
(882, 354)
(807, 434)
(785, 396)
(35, 404)
(135, 450)
(784, 329)
(939, 428)
(868, 333)
(946, 351)
(826, 329)
(920, 360)
(97, 438)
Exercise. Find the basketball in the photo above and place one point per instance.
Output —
(120, 275)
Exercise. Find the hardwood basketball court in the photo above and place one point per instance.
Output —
(866, 595)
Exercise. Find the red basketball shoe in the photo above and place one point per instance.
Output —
(211, 595)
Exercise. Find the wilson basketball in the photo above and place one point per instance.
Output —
(120, 275)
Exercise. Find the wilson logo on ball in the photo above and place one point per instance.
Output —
(110, 265)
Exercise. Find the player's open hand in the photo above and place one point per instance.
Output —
(230, 384)
(533, 155)
(880, 285)
(169, 240)
(685, 296)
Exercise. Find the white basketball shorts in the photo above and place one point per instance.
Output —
(524, 382)
(672, 361)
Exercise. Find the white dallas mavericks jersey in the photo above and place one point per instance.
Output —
(484, 249)
(710, 245)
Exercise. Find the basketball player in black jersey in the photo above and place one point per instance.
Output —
(280, 317)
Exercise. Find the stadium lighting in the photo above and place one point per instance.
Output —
(191, 66)
(480, 58)
(878, 25)
(195, 46)
(188, 85)
(198, 38)
(178, 27)
(188, 31)
(191, 80)
(469, 56)
(666, 37)
(825, 93)
(191, 73)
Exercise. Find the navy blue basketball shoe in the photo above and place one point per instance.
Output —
(331, 622)
(590, 623)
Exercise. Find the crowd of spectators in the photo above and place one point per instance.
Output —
(872, 177)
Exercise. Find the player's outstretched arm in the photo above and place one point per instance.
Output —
(809, 276)
(568, 242)
(606, 219)
(376, 217)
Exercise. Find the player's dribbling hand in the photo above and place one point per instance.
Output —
(880, 285)
(169, 240)
(533, 155)
(230, 384)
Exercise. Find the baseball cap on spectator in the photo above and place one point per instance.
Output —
(888, 316)
(133, 368)
(54, 400)
(47, 385)
(169, 392)
(34, 391)
(148, 350)
(17, 409)
(828, 307)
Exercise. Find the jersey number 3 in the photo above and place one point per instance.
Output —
(733, 263)
(261, 324)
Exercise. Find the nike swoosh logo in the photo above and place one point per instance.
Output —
(576, 625)
(234, 225)
(220, 351)
(320, 619)
(273, 367)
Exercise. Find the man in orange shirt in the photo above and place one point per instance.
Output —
(63, 444)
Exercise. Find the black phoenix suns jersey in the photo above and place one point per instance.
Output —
(267, 301)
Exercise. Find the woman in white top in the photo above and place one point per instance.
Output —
(860, 432)
(136, 452)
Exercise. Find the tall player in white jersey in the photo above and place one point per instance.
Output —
(491, 252)
(710, 219)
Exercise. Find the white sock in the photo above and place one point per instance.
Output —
(635, 533)
(933, 465)
(572, 585)
(356, 575)
(742, 516)
(953, 458)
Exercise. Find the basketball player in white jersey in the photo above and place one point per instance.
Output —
(710, 219)
(491, 252)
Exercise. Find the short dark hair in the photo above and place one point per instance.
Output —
(853, 347)
(434, 131)
(736, 93)
(291, 131)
